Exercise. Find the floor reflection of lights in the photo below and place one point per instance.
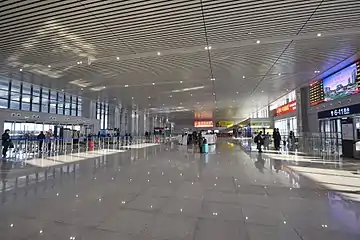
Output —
(345, 182)
(299, 158)
(74, 157)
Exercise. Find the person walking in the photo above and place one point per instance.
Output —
(267, 141)
(6, 142)
(41, 138)
(291, 141)
(277, 139)
(259, 140)
(49, 135)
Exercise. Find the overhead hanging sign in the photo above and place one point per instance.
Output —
(205, 124)
(225, 124)
(341, 111)
(285, 109)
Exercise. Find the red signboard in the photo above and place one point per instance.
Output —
(206, 124)
(285, 109)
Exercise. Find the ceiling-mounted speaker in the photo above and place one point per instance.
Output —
(13, 114)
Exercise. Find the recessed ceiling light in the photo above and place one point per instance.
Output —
(49, 66)
(212, 79)
(207, 47)
(62, 90)
(82, 89)
(243, 76)
(163, 104)
(114, 98)
(250, 33)
(213, 94)
(237, 92)
(153, 83)
(126, 85)
(258, 41)
(279, 74)
(170, 96)
(262, 90)
(20, 69)
(287, 90)
(149, 97)
(132, 98)
(117, 58)
(181, 81)
(190, 94)
(158, 53)
(319, 34)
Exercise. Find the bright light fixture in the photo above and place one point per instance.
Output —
(243, 76)
(149, 97)
(279, 74)
(132, 98)
(126, 85)
(49, 66)
(258, 41)
(212, 79)
(158, 53)
(117, 58)
(153, 83)
(170, 96)
(20, 69)
(181, 81)
(208, 48)
(319, 34)
(188, 89)
(237, 92)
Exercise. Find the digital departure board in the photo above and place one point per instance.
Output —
(316, 93)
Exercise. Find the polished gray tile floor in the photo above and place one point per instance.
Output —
(173, 192)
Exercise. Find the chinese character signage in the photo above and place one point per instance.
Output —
(206, 124)
(285, 109)
(339, 112)
(225, 124)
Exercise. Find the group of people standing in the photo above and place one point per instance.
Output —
(264, 140)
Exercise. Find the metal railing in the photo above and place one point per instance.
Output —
(23, 149)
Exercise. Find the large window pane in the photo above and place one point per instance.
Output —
(15, 86)
(36, 100)
(36, 90)
(3, 103)
(25, 106)
(35, 107)
(26, 98)
(14, 105)
(4, 84)
(4, 93)
(44, 108)
(26, 89)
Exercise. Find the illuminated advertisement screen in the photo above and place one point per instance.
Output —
(341, 84)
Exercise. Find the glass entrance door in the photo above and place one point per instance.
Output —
(330, 135)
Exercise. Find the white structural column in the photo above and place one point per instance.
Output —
(141, 119)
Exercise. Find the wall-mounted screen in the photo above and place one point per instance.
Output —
(342, 83)
(316, 93)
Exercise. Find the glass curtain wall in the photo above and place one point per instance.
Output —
(18, 95)
(102, 113)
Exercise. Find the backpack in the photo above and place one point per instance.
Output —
(256, 139)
